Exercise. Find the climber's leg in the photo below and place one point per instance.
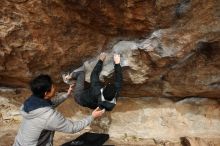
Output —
(79, 87)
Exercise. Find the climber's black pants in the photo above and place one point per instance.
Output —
(79, 88)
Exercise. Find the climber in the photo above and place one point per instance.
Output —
(40, 120)
(97, 95)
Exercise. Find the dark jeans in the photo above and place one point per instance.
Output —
(79, 88)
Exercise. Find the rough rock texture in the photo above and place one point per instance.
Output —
(171, 47)
(164, 119)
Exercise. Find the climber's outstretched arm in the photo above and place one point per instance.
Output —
(118, 73)
(94, 79)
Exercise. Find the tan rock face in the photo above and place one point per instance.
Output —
(169, 48)
(164, 119)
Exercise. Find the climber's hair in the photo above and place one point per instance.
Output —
(40, 85)
(109, 92)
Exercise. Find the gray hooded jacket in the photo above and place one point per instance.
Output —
(46, 118)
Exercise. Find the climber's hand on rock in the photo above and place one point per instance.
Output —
(98, 112)
(117, 58)
(102, 56)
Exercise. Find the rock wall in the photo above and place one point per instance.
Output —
(171, 47)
